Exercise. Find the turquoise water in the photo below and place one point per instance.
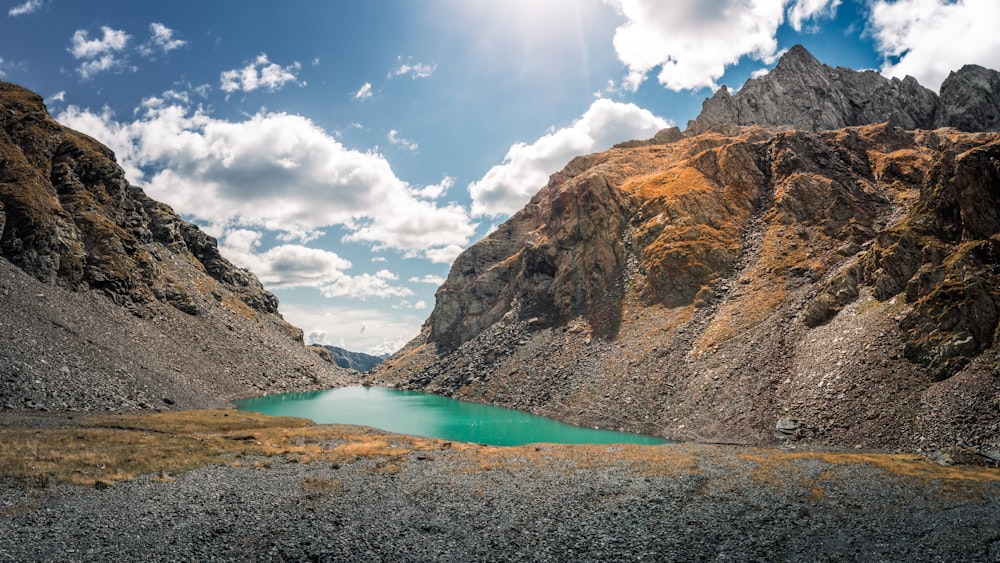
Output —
(433, 416)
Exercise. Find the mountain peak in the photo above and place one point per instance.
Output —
(804, 94)
(796, 58)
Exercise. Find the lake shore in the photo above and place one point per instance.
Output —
(349, 493)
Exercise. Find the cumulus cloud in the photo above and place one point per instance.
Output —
(693, 41)
(364, 92)
(435, 191)
(526, 168)
(292, 265)
(365, 286)
(802, 11)
(259, 73)
(428, 279)
(929, 38)
(161, 40)
(275, 171)
(26, 8)
(283, 266)
(444, 254)
(411, 69)
(100, 55)
(407, 144)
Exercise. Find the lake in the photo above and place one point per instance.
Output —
(433, 416)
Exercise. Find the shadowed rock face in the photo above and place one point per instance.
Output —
(970, 101)
(199, 329)
(802, 93)
(70, 218)
(713, 285)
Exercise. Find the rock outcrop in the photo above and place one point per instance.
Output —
(802, 93)
(751, 284)
(70, 220)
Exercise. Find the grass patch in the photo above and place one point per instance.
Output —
(896, 464)
(101, 449)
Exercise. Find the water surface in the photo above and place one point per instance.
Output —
(433, 416)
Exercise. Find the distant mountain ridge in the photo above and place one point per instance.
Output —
(358, 361)
(802, 93)
(779, 271)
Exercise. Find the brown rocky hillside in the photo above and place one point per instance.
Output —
(109, 299)
(744, 284)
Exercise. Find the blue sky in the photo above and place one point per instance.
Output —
(347, 151)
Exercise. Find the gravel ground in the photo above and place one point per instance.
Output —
(547, 503)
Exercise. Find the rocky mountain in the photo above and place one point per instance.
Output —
(802, 93)
(746, 283)
(110, 300)
(357, 361)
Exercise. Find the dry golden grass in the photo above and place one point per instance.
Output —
(101, 449)
(772, 462)
(109, 448)
(652, 460)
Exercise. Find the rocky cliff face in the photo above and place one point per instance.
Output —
(802, 93)
(70, 220)
(744, 283)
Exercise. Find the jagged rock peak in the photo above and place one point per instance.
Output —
(805, 94)
(970, 99)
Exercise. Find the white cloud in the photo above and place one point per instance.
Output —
(161, 40)
(805, 10)
(929, 38)
(384, 331)
(2, 73)
(365, 286)
(435, 191)
(405, 304)
(428, 279)
(407, 144)
(100, 55)
(414, 70)
(693, 41)
(290, 265)
(419, 226)
(274, 171)
(443, 255)
(29, 7)
(364, 92)
(283, 266)
(111, 40)
(260, 73)
(526, 168)
(59, 96)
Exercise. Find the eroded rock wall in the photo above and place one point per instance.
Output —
(719, 286)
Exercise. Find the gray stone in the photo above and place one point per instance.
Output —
(787, 426)
(802, 93)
